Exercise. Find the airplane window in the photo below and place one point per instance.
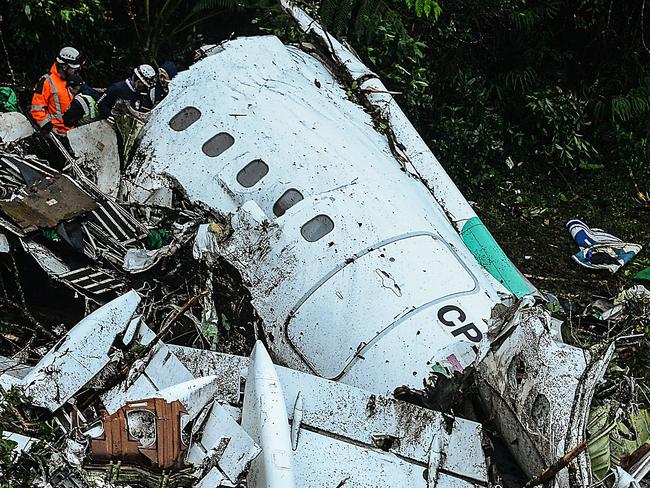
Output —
(183, 119)
(286, 201)
(316, 228)
(217, 144)
(252, 173)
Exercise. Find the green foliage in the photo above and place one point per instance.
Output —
(530, 14)
(632, 104)
(527, 83)
(161, 22)
(34, 31)
(424, 8)
(560, 120)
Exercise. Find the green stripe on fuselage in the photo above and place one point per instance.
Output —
(489, 254)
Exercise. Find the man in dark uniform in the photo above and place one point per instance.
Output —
(132, 89)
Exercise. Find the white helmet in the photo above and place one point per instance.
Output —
(146, 74)
(70, 56)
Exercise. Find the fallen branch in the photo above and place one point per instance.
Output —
(173, 317)
(123, 374)
(557, 466)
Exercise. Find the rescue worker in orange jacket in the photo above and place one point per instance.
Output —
(51, 96)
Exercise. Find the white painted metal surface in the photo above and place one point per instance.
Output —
(264, 417)
(95, 146)
(220, 427)
(4, 243)
(80, 355)
(163, 370)
(13, 127)
(355, 267)
(23, 442)
(364, 304)
(341, 426)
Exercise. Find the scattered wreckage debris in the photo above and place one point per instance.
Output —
(205, 428)
(317, 253)
(599, 249)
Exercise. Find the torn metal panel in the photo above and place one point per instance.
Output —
(13, 127)
(80, 355)
(13, 368)
(163, 370)
(194, 394)
(541, 391)
(220, 429)
(95, 146)
(227, 368)
(55, 199)
(92, 280)
(45, 258)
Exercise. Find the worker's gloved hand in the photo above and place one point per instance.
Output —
(46, 129)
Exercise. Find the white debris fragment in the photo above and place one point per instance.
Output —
(162, 371)
(541, 390)
(13, 127)
(95, 146)
(264, 417)
(218, 427)
(23, 442)
(4, 243)
(80, 355)
(139, 260)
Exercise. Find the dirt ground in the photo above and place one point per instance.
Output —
(527, 216)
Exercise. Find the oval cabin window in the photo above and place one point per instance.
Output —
(286, 201)
(252, 173)
(183, 119)
(317, 228)
(217, 144)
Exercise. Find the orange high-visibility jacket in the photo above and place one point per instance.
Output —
(50, 101)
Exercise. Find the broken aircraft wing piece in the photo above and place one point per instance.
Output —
(78, 356)
(341, 428)
(264, 417)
